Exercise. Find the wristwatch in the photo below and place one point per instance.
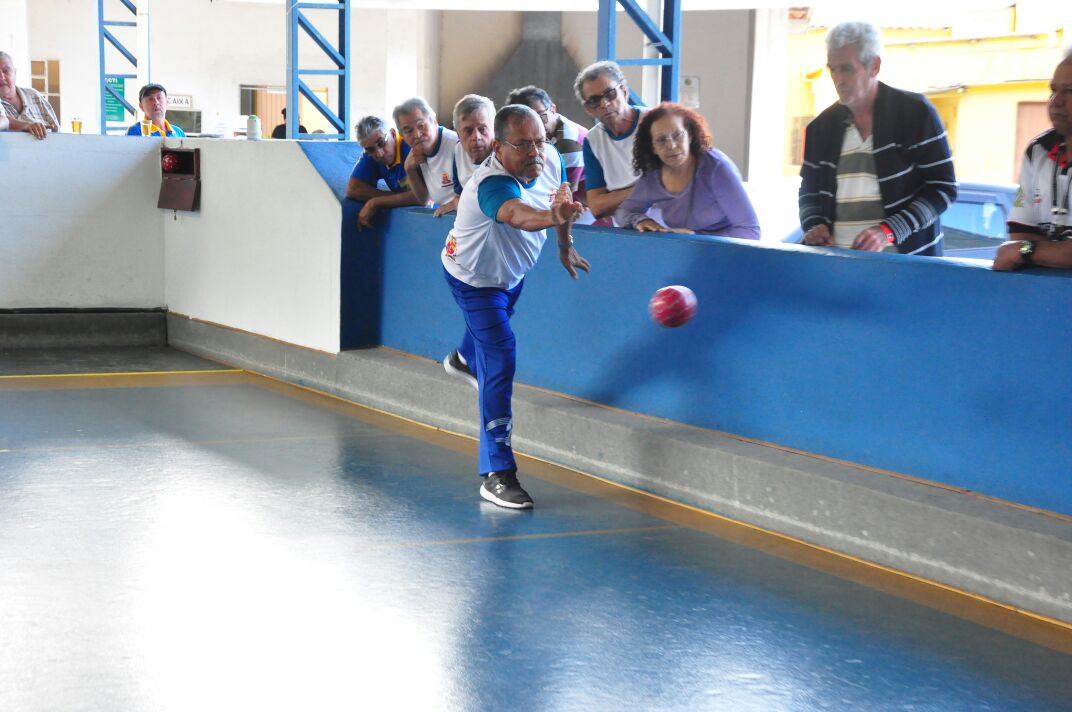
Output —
(1027, 252)
(569, 243)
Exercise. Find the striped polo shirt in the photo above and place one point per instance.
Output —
(859, 201)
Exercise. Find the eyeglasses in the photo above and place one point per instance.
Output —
(543, 114)
(596, 100)
(678, 137)
(527, 146)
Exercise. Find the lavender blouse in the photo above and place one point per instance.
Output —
(714, 203)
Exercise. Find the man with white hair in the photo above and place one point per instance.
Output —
(503, 216)
(473, 117)
(23, 108)
(430, 161)
(877, 169)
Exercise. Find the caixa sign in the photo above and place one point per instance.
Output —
(180, 101)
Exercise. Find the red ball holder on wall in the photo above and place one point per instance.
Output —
(180, 178)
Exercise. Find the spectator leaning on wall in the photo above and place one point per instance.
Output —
(608, 149)
(473, 117)
(877, 168)
(1040, 227)
(383, 160)
(687, 185)
(430, 163)
(23, 108)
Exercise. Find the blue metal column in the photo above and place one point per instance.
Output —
(340, 56)
(105, 35)
(665, 39)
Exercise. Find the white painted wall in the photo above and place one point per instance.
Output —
(13, 36)
(81, 227)
(82, 230)
(263, 253)
(67, 30)
(766, 145)
(208, 49)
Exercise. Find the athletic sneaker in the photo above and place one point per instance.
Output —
(453, 364)
(503, 489)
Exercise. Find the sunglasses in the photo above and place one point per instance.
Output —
(596, 100)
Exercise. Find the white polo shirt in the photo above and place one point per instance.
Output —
(480, 250)
(438, 168)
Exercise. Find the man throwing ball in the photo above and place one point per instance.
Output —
(503, 215)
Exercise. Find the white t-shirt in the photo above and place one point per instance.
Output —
(480, 250)
(611, 157)
(463, 167)
(438, 171)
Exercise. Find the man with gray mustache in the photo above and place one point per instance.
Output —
(503, 215)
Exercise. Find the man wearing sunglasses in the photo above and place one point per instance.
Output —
(503, 215)
(608, 149)
(383, 160)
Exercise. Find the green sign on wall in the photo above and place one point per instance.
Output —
(113, 109)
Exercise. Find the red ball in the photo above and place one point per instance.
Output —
(169, 162)
(673, 305)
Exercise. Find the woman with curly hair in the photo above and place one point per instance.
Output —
(687, 186)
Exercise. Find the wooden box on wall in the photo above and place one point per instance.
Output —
(180, 178)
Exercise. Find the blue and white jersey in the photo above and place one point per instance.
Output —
(480, 250)
(463, 168)
(608, 158)
(438, 168)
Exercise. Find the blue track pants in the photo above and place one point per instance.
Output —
(491, 352)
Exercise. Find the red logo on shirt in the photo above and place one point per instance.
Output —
(445, 179)
(452, 246)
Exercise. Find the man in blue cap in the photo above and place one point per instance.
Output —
(153, 101)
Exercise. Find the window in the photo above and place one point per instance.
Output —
(45, 78)
(188, 121)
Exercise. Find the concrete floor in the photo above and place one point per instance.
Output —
(220, 541)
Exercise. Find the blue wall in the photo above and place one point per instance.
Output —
(941, 370)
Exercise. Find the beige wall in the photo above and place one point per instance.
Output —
(984, 145)
(717, 48)
(465, 71)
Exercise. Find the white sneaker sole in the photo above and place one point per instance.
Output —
(501, 502)
(461, 375)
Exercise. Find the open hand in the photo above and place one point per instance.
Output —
(572, 261)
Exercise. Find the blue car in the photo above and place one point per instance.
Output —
(975, 224)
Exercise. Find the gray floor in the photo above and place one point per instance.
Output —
(225, 542)
(141, 359)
